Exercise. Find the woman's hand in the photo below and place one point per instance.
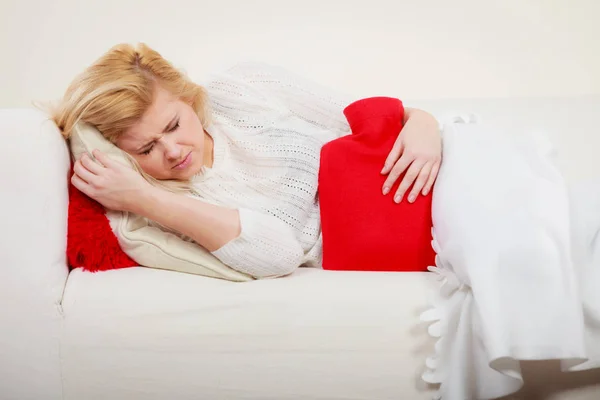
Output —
(109, 182)
(418, 151)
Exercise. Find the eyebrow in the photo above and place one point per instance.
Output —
(165, 130)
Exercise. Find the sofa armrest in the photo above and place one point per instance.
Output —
(34, 165)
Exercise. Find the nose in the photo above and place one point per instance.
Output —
(172, 150)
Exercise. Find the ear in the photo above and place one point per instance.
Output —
(85, 138)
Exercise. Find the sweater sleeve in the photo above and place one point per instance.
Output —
(266, 247)
(306, 99)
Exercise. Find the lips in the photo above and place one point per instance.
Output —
(185, 162)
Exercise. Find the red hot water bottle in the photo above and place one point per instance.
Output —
(363, 230)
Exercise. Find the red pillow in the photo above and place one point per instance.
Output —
(91, 243)
(363, 229)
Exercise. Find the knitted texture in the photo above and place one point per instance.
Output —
(268, 127)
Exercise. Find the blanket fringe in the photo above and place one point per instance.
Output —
(444, 312)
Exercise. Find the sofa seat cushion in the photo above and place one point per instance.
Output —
(314, 334)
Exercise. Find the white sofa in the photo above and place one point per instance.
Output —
(150, 334)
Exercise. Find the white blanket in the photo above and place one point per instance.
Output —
(510, 288)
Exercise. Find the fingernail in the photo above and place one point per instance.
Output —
(383, 171)
(386, 190)
(398, 199)
(412, 198)
(425, 192)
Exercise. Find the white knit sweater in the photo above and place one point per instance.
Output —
(268, 127)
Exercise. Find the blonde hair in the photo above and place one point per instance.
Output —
(115, 91)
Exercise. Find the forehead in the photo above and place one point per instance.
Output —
(153, 122)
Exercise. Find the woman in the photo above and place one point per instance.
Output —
(248, 144)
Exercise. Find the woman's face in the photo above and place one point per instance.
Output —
(169, 141)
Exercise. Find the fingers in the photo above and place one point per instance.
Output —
(408, 179)
(80, 184)
(88, 170)
(432, 176)
(83, 173)
(102, 158)
(392, 157)
(91, 165)
(398, 169)
(420, 182)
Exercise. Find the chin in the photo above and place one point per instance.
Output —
(190, 172)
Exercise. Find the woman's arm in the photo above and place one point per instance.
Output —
(419, 116)
(209, 225)
(259, 245)
(118, 187)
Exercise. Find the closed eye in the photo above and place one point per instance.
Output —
(170, 129)
(146, 152)
(174, 127)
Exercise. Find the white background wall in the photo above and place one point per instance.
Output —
(411, 49)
